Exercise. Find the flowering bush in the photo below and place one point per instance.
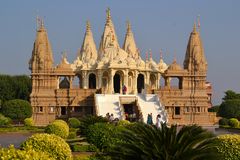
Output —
(229, 146)
(50, 144)
(29, 154)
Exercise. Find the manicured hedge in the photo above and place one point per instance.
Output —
(73, 122)
(50, 144)
(229, 146)
(28, 122)
(4, 121)
(233, 122)
(17, 109)
(59, 128)
(224, 121)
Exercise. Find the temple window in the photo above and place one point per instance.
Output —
(40, 109)
(92, 81)
(177, 111)
(64, 83)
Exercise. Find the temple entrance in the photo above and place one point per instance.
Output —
(140, 83)
(92, 81)
(63, 111)
(131, 112)
(117, 83)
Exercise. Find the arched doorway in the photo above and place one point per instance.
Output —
(140, 83)
(117, 83)
(92, 81)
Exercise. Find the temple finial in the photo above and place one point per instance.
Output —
(88, 26)
(147, 56)
(174, 57)
(150, 51)
(128, 27)
(161, 54)
(108, 14)
(198, 21)
(194, 27)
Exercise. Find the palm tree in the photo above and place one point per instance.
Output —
(144, 142)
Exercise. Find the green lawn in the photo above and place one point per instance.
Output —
(21, 129)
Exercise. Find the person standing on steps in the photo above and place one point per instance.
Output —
(124, 89)
(158, 121)
(149, 119)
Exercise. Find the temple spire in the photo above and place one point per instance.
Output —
(195, 60)
(88, 50)
(109, 37)
(129, 44)
(42, 58)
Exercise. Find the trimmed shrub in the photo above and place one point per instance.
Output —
(59, 128)
(17, 109)
(61, 121)
(90, 120)
(72, 135)
(233, 122)
(28, 122)
(102, 135)
(123, 123)
(223, 121)
(12, 153)
(73, 122)
(229, 146)
(50, 144)
(4, 121)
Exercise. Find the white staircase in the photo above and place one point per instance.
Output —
(147, 103)
(150, 103)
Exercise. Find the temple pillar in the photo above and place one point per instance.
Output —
(111, 89)
(84, 77)
(99, 81)
(135, 76)
(125, 81)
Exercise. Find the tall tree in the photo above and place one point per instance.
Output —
(230, 107)
(14, 87)
(230, 95)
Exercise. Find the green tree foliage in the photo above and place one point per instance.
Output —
(85, 122)
(224, 121)
(230, 95)
(228, 146)
(50, 144)
(103, 135)
(17, 109)
(142, 141)
(230, 109)
(59, 128)
(214, 109)
(73, 122)
(15, 154)
(14, 87)
(233, 122)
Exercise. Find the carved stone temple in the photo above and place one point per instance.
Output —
(93, 83)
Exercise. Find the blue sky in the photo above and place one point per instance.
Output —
(156, 24)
